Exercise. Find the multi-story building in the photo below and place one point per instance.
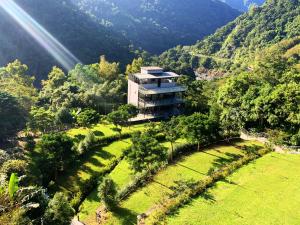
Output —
(155, 93)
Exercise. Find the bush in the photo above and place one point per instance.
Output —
(87, 143)
(30, 143)
(107, 193)
(87, 118)
(14, 166)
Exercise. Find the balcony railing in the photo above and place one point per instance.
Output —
(171, 101)
(161, 90)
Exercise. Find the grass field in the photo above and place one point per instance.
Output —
(262, 193)
(121, 175)
(95, 160)
(195, 166)
(103, 129)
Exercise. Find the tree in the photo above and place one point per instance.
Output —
(107, 193)
(64, 116)
(109, 71)
(87, 117)
(56, 79)
(12, 116)
(172, 132)
(135, 67)
(145, 151)
(58, 211)
(199, 128)
(122, 116)
(54, 152)
(15, 81)
(41, 120)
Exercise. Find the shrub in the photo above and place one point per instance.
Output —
(87, 118)
(107, 193)
(87, 143)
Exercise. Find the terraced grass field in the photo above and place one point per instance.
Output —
(194, 166)
(96, 159)
(104, 129)
(262, 193)
(121, 175)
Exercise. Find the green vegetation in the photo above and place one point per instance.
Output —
(234, 45)
(148, 25)
(122, 175)
(93, 163)
(195, 166)
(268, 181)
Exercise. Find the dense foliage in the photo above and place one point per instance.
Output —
(268, 96)
(232, 46)
(158, 25)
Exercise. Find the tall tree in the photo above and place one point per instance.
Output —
(59, 211)
(12, 116)
(108, 70)
(15, 81)
(145, 152)
(172, 132)
(53, 153)
(199, 128)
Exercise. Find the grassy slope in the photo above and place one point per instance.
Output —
(95, 160)
(105, 129)
(194, 167)
(121, 175)
(264, 192)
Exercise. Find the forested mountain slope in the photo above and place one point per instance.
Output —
(85, 38)
(157, 25)
(232, 44)
(243, 5)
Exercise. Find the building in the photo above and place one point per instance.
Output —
(155, 93)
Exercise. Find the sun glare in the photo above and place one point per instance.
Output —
(40, 34)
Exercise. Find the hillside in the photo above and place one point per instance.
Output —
(259, 28)
(85, 38)
(243, 5)
(158, 25)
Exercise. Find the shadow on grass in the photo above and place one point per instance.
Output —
(125, 216)
(196, 171)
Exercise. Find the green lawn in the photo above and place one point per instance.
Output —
(94, 162)
(264, 192)
(121, 175)
(194, 167)
(104, 130)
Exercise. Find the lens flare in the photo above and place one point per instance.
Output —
(40, 34)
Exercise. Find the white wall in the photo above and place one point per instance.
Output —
(133, 93)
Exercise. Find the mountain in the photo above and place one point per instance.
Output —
(243, 5)
(233, 44)
(157, 25)
(85, 38)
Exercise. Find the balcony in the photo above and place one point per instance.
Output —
(163, 102)
(171, 88)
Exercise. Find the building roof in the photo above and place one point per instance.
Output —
(164, 75)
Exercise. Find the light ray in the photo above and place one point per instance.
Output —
(40, 34)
